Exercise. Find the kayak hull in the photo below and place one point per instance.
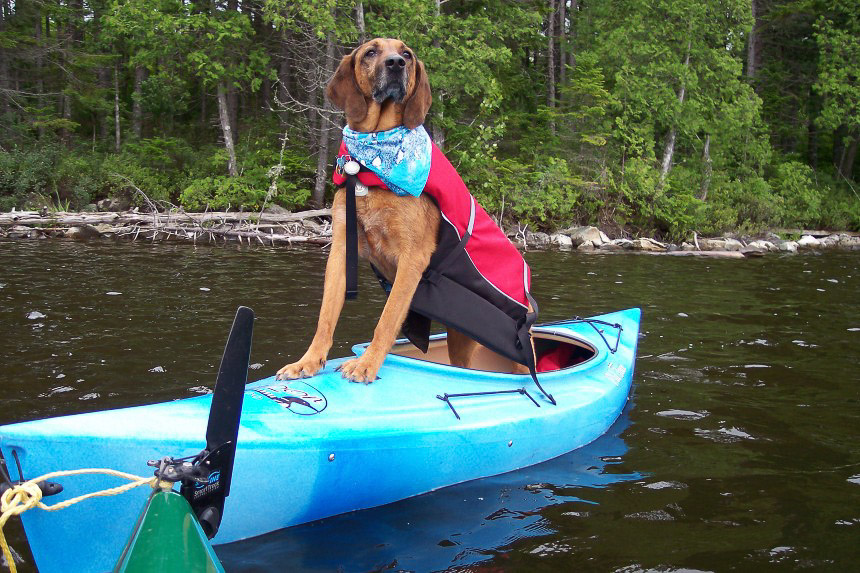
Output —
(321, 446)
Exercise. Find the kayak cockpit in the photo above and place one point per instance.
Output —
(554, 352)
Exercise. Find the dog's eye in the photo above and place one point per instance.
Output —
(407, 55)
(369, 53)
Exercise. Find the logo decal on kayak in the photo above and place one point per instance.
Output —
(616, 372)
(298, 397)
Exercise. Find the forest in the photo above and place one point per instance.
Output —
(644, 117)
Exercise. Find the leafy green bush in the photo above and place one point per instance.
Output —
(755, 205)
(222, 192)
(124, 174)
(794, 183)
(27, 171)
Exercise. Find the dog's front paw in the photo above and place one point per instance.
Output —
(361, 369)
(305, 367)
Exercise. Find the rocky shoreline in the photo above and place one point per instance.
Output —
(592, 239)
(314, 227)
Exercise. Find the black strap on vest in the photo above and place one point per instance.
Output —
(351, 239)
(524, 342)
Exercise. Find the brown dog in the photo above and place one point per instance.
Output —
(380, 85)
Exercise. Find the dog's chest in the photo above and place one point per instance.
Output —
(392, 227)
(380, 227)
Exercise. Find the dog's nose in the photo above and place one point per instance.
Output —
(395, 62)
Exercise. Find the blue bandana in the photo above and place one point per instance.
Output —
(400, 157)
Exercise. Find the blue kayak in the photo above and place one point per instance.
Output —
(312, 448)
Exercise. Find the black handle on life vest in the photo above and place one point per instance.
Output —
(351, 239)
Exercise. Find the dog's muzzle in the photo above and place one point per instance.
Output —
(391, 81)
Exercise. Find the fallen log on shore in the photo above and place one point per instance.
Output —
(309, 227)
(29, 218)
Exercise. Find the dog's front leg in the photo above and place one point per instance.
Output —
(332, 301)
(410, 268)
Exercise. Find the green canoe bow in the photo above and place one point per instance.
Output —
(167, 538)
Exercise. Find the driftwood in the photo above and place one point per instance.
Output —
(714, 254)
(265, 229)
(212, 235)
(29, 218)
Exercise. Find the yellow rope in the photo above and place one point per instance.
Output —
(25, 496)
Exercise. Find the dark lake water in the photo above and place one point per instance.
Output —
(739, 450)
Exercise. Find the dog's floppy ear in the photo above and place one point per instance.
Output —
(342, 90)
(420, 100)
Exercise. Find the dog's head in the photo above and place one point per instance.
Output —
(377, 71)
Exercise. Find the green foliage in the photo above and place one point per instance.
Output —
(747, 204)
(838, 38)
(27, 171)
(634, 73)
(223, 192)
(260, 179)
(800, 198)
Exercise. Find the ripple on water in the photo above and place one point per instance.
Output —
(684, 414)
(665, 485)
(200, 390)
(642, 569)
(554, 548)
(56, 390)
(724, 435)
(655, 515)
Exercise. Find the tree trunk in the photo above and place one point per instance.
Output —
(116, 123)
(562, 42)
(226, 130)
(40, 76)
(846, 167)
(136, 106)
(811, 129)
(437, 129)
(284, 75)
(4, 62)
(359, 21)
(706, 157)
(669, 150)
(318, 196)
(571, 52)
(754, 42)
(550, 62)
(203, 110)
(262, 35)
(839, 147)
(233, 108)
(232, 92)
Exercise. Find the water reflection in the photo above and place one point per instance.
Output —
(453, 527)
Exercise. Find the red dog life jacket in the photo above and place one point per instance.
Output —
(477, 282)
